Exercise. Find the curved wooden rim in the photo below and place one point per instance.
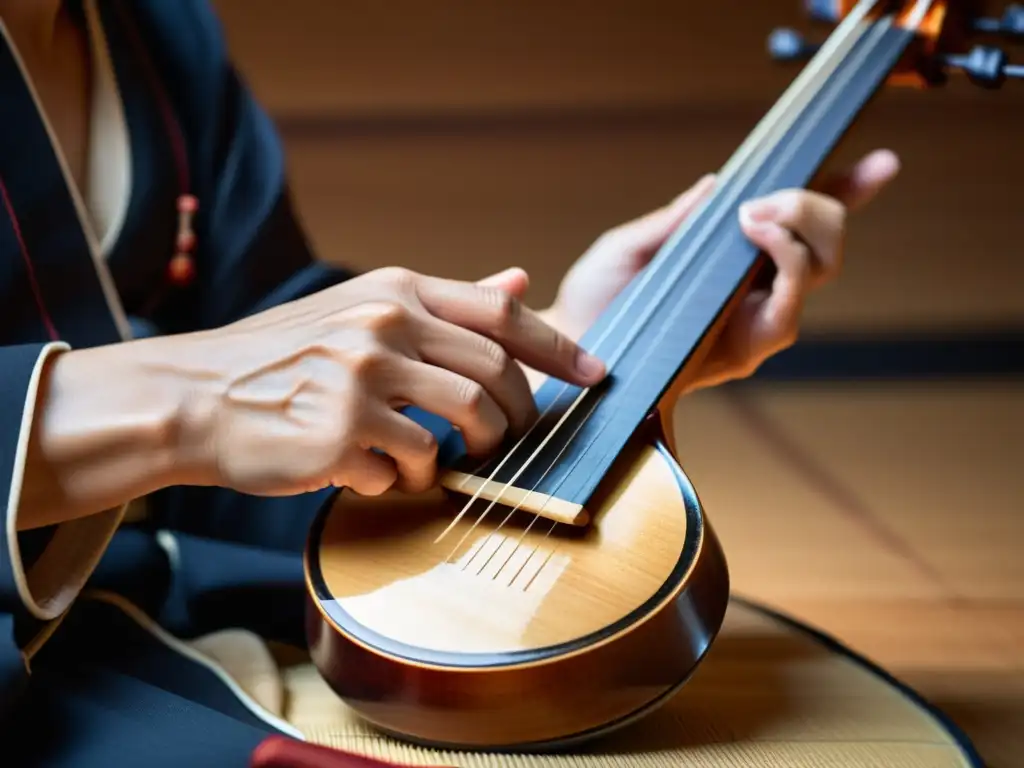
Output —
(563, 743)
(335, 617)
(831, 644)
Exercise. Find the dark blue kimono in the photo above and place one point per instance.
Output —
(82, 682)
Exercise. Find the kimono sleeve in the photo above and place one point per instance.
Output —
(41, 571)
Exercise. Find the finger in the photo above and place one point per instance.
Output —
(774, 326)
(412, 448)
(458, 399)
(513, 280)
(482, 360)
(862, 183)
(752, 335)
(642, 237)
(365, 472)
(817, 219)
(503, 318)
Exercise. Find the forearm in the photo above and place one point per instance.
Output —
(109, 427)
(115, 423)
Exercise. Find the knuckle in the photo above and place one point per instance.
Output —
(496, 360)
(365, 362)
(425, 446)
(470, 395)
(795, 205)
(504, 306)
(400, 279)
(388, 316)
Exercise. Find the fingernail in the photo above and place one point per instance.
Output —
(757, 210)
(589, 365)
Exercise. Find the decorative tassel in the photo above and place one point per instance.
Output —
(182, 268)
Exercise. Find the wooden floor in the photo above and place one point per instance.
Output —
(890, 516)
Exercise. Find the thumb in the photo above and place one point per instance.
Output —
(513, 280)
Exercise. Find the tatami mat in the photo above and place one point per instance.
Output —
(767, 695)
(891, 516)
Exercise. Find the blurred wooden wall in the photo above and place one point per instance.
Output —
(462, 136)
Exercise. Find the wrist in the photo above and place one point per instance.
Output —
(110, 427)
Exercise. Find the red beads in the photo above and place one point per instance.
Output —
(185, 242)
(182, 269)
(188, 204)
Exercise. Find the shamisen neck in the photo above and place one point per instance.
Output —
(652, 330)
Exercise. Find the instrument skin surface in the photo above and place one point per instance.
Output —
(517, 641)
(591, 585)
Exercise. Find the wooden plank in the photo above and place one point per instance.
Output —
(933, 466)
(895, 497)
(936, 465)
(915, 636)
(941, 249)
(988, 706)
(784, 538)
(358, 57)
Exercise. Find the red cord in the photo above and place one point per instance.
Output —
(51, 329)
(166, 111)
(181, 270)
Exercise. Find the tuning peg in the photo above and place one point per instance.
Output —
(789, 45)
(828, 11)
(1010, 24)
(986, 66)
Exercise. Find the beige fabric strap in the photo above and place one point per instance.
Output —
(769, 694)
